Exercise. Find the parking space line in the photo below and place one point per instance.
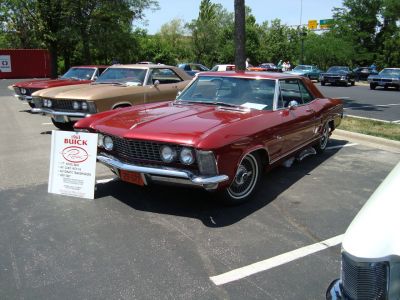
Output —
(378, 105)
(341, 146)
(47, 123)
(275, 261)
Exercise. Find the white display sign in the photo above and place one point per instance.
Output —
(73, 163)
(5, 63)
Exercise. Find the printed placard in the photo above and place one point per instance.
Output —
(5, 63)
(73, 163)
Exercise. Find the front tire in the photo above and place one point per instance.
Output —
(66, 126)
(372, 86)
(322, 83)
(323, 141)
(246, 180)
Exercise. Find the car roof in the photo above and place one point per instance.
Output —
(142, 66)
(91, 66)
(249, 74)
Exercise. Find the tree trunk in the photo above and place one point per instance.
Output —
(53, 59)
(86, 47)
(240, 35)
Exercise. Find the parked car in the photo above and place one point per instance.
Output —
(221, 68)
(119, 86)
(338, 75)
(388, 77)
(219, 133)
(75, 75)
(362, 73)
(192, 69)
(370, 267)
(266, 67)
(309, 71)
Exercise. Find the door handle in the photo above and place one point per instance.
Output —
(309, 110)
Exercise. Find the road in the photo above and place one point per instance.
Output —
(173, 243)
(361, 101)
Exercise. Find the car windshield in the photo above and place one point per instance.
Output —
(128, 76)
(301, 68)
(231, 91)
(79, 73)
(338, 69)
(390, 72)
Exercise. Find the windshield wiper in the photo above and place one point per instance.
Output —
(207, 102)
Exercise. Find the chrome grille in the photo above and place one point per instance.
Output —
(364, 280)
(139, 151)
(63, 105)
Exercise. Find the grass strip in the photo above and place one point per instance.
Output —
(376, 128)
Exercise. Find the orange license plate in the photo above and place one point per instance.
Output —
(131, 177)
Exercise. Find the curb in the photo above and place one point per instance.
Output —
(376, 142)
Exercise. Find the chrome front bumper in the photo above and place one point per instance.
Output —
(164, 174)
(23, 98)
(66, 114)
(334, 291)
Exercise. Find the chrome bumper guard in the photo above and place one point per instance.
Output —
(164, 174)
(47, 111)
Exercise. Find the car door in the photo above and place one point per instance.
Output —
(163, 84)
(298, 122)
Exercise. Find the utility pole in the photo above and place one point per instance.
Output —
(240, 35)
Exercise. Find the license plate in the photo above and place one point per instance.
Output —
(131, 177)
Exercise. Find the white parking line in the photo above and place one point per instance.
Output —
(379, 105)
(47, 123)
(275, 261)
(341, 146)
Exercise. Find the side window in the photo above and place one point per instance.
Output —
(289, 90)
(164, 76)
(305, 94)
(101, 70)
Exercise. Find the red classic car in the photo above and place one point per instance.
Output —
(75, 75)
(219, 133)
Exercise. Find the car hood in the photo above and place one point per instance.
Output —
(175, 123)
(374, 232)
(44, 84)
(336, 73)
(89, 91)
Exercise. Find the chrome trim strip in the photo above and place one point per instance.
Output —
(162, 171)
(59, 113)
(23, 97)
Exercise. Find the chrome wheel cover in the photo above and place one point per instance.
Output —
(245, 178)
(324, 138)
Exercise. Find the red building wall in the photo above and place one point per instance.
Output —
(24, 63)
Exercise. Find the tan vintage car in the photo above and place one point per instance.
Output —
(118, 86)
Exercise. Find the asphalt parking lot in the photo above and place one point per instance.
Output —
(173, 243)
(360, 101)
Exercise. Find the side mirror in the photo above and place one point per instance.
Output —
(293, 104)
(156, 83)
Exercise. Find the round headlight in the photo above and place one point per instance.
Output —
(49, 103)
(343, 77)
(186, 156)
(84, 106)
(100, 138)
(168, 154)
(23, 91)
(75, 105)
(45, 102)
(108, 143)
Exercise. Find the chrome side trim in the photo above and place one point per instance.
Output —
(48, 111)
(23, 97)
(173, 175)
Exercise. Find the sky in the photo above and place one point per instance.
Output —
(263, 10)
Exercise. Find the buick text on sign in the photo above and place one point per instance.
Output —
(73, 164)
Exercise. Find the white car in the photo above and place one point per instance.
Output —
(371, 248)
(223, 68)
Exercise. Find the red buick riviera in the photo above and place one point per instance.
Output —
(75, 75)
(218, 134)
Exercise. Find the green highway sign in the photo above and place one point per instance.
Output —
(325, 24)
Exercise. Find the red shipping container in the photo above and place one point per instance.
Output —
(24, 63)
